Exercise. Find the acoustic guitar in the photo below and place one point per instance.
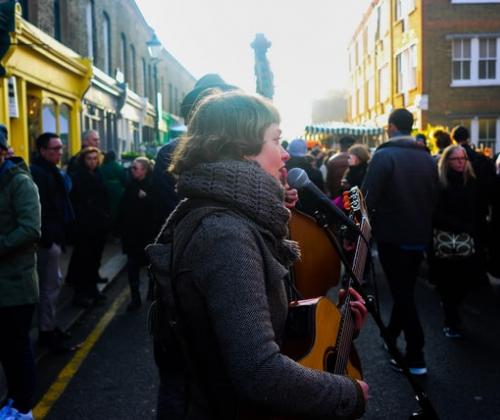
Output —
(319, 335)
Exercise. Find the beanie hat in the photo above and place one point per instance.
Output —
(201, 89)
(297, 148)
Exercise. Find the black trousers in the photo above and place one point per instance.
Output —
(85, 262)
(16, 354)
(134, 264)
(401, 268)
(453, 278)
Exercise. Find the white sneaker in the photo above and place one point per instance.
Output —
(10, 413)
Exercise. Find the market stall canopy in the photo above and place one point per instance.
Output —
(344, 129)
(178, 128)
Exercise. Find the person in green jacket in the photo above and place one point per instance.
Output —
(114, 178)
(19, 232)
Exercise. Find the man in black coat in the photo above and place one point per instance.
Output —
(57, 214)
(401, 193)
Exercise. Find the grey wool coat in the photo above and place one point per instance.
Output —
(232, 298)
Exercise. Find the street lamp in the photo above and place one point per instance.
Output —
(154, 49)
(154, 46)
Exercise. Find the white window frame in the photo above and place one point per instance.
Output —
(383, 18)
(406, 69)
(383, 83)
(488, 57)
(474, 79)
(489, 141)
(106, 43)
(403, 9)
(371, 91)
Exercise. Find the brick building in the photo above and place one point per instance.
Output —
(438, 58)
(133, 96)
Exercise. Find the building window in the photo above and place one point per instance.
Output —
(404, 8)
(106, 33)
(123, 56)
(487, 133)
(461, 59)
(383, 80)
(400, 74)
(406, 69)
(170, 98)
(133, 68)
(89, 23)
(49, 116)
(487, 58)
(64, 129)
(413, 66)
(57, 20)
(371, 92)
(383, 18)
(362, 101)
(475, 61)
(399, 9)
(176, 101)
(144, 78)
(359, 51)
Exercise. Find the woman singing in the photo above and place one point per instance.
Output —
(230, 277)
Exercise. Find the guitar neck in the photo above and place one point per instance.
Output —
(346, 331)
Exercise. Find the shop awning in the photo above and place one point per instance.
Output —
(343, 128)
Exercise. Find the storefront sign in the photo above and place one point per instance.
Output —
(13, 104)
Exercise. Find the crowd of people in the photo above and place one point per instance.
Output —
(231, 252)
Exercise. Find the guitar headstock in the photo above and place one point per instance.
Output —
(354, 202)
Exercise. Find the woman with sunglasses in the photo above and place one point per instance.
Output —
(453, 256)
(136, 221)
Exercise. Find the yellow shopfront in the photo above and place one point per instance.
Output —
(42, 89)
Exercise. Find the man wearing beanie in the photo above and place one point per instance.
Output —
(297, 150)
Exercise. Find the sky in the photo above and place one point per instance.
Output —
(308, 56)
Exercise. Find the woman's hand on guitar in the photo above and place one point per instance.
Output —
(357, 305)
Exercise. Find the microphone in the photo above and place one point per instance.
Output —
(297, 178)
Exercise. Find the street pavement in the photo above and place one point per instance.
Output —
(118, 379)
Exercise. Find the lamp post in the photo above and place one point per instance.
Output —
(154, 49)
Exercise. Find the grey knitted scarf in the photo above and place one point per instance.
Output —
(244, 187)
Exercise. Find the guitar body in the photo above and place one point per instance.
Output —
(311, 337)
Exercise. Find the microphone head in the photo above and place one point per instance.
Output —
(297, 178)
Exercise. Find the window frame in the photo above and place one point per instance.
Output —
(474, 80)
(106, 42)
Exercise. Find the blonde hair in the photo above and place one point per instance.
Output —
(145, 163)
(444, 165)
(87, 151)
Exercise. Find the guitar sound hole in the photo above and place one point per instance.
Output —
(330, 360)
